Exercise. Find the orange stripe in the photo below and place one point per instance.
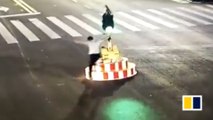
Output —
(125, 73)
(105, 75)
(112, 66)
(102, 67)
(115, 75)
(120, 65)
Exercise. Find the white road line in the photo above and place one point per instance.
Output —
(21, 5)
(139, 21)
(155, 19)
(83, 25)
(178, 20)
(75, 1)
(211, 6)
(9, 38)
(49, 32)
(19, 15)
(203, 9)
(196, 12)
(182, 1)
(127, 25)
(64, 27)
(28, 6)
(24, 30)
(187, 16)
(98, 22)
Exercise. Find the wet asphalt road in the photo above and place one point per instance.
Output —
(44, 80)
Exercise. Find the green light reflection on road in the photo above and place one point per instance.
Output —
(128, 109)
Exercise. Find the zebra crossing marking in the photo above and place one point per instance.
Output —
(64, 26)
(83, 25)
(127, 25)
(184, 14)
(98, 22)
(24, 30)
(187, 16)
(196, 12)
(9, 38)
(175, 19)
(155, 19)
(49, 32)
(139, 21)
(203, 9)
(210, 6)
(182, 1)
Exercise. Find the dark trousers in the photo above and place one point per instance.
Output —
(93, 59)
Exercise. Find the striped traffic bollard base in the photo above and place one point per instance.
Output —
(112, 75)
(111, 66)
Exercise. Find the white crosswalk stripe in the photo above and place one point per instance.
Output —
(49, 32)
(64, 27)
(10, 39)
(155, 19)
(139, 21)
(98, 22)
(127, 25)
(175, 19)
(203, 9)
(195, 12)
(83, 25)
(167, 17)
(210, 6)
(187, 16)
(25, 31)
(182, 1)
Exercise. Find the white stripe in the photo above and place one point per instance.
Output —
(97, 68)
(75, 1)
(127, 25)
(64, 26)
(19, 15)
(107, 67)
(24, 30)
(116, 66)
(182, 1)
(21, 5)
(187, 16)
(120, 74)
(124, 65)
(211, 6)
(83, 25)
(98, 22)
(7, 35)
(155, 19)
(171, 17)
(195, 12)
(203, 9)
(139, 21)
(129, 72)
(111, 75)
(28, 6)
(49, 32)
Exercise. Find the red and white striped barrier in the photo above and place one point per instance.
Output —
(113, 75)
(121, 64)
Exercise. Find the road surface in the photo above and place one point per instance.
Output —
(43, 56)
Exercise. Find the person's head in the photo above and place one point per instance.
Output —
(108, 11)
(90, 38)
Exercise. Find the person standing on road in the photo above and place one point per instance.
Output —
(107, 19)
(94, 52)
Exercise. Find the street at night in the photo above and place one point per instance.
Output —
(44, 53)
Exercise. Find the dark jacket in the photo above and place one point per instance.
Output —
(107, 20)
